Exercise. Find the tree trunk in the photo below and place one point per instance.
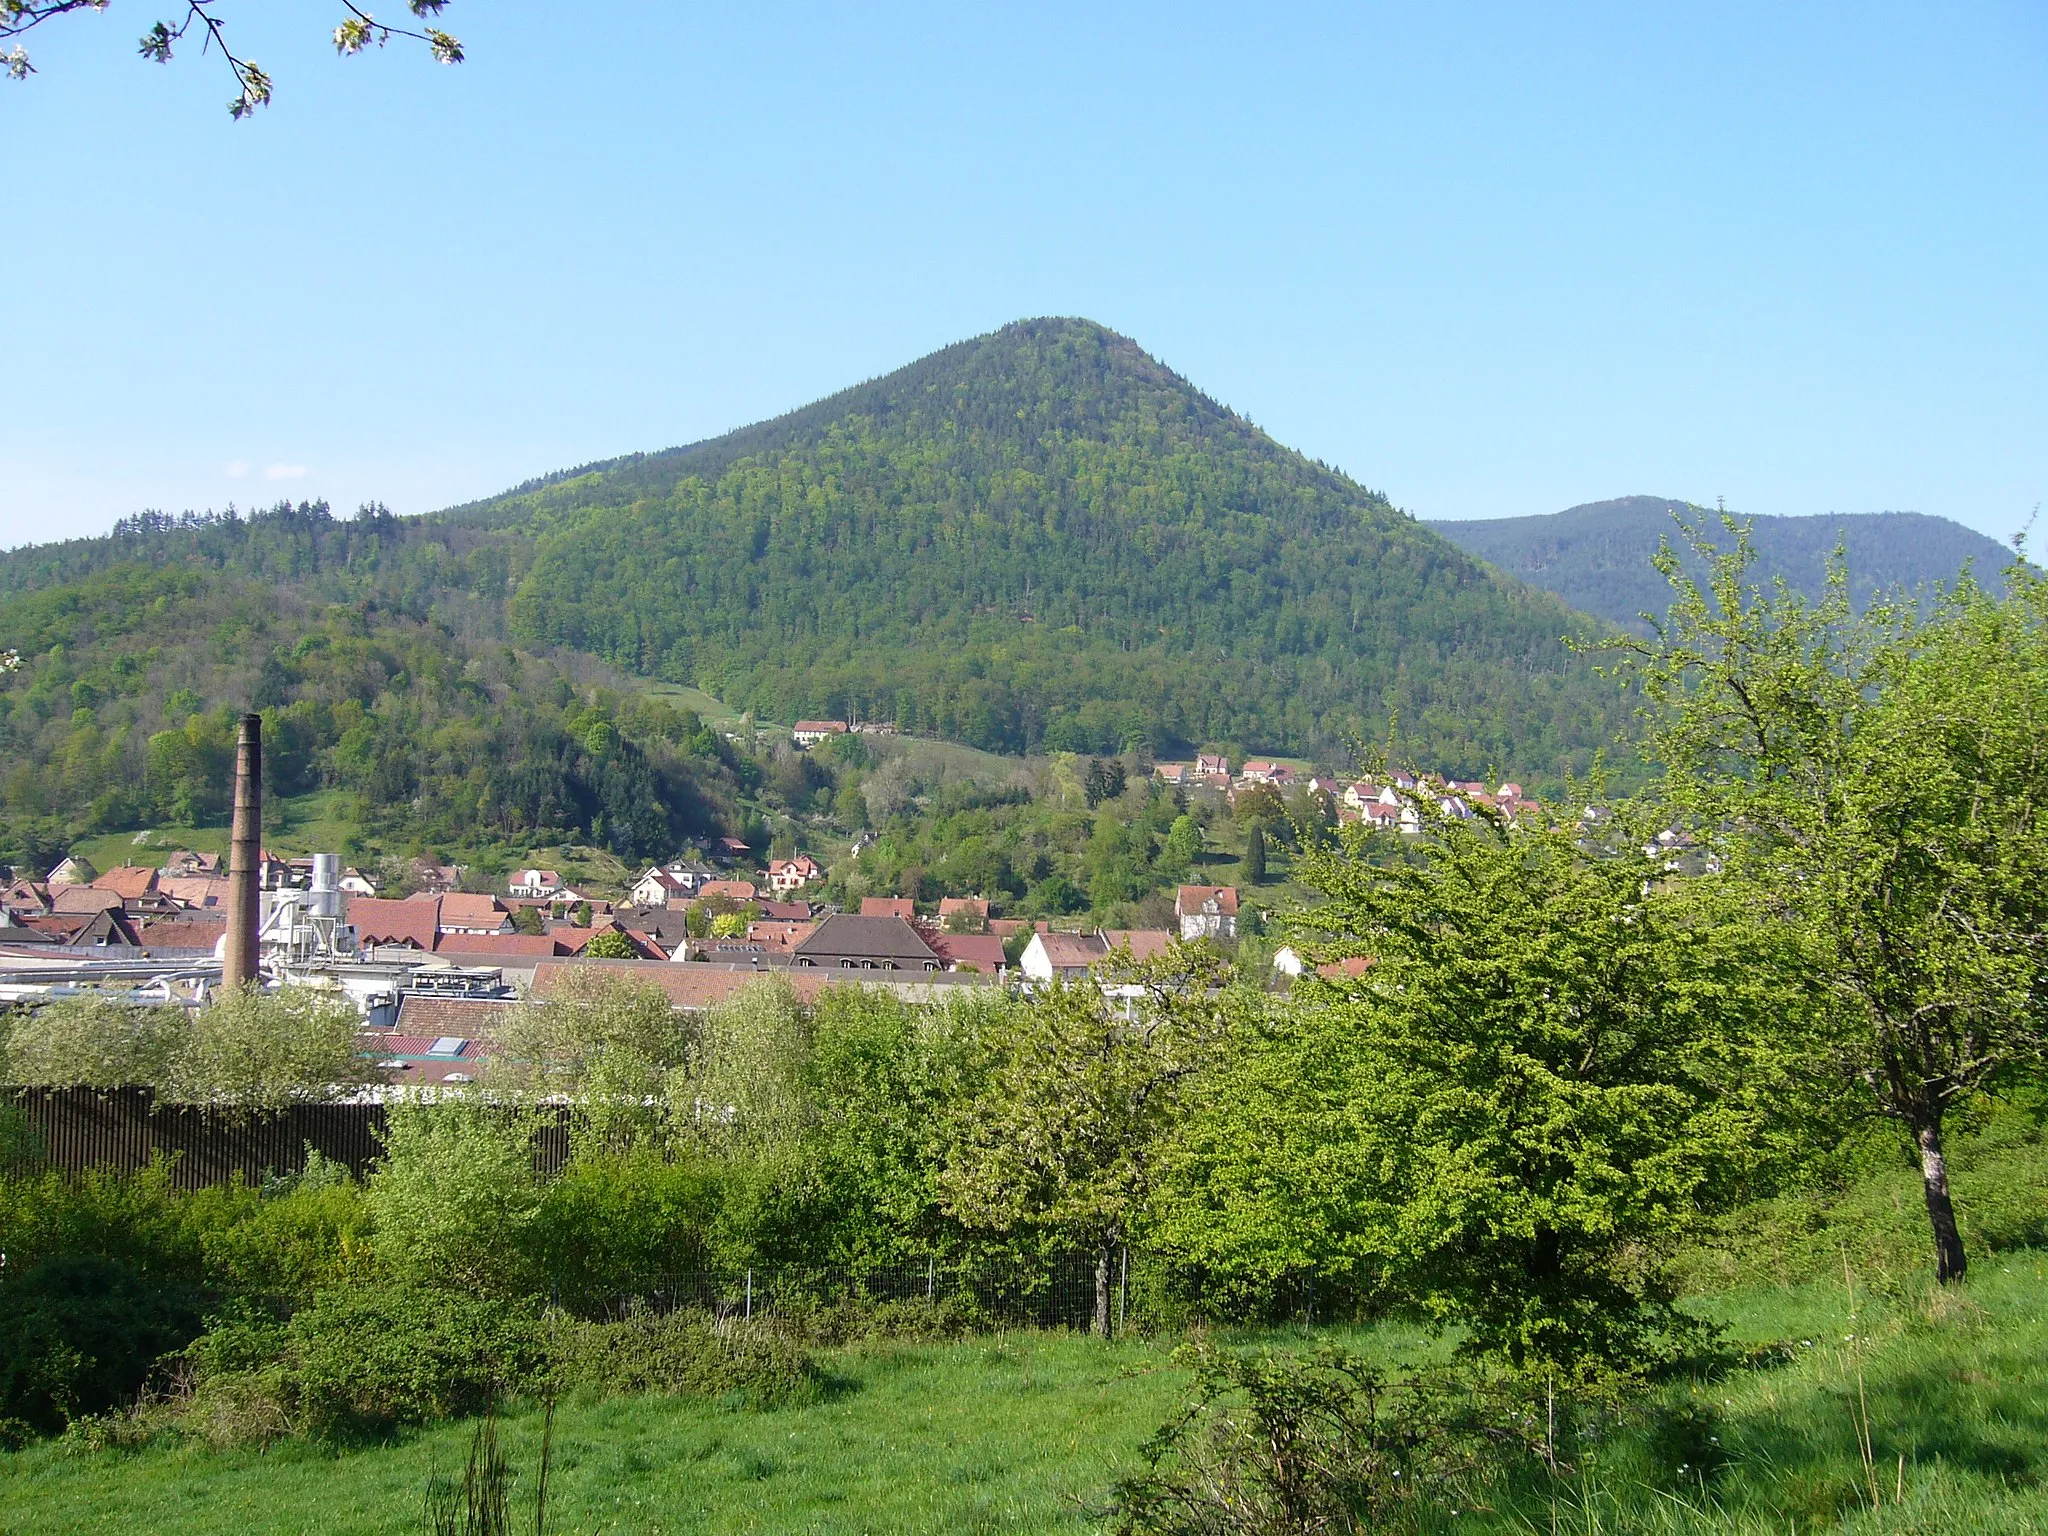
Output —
(1102, 1292)
(1949, 1259)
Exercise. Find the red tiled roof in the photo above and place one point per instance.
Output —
(438, 1017)
(380, 920)
(734, 890)
(1066, 951)
(888, 906)
(467, 909)
(1143, 943)
(78, 900)
(128, 880)
(1190, 898)
(499, 944)
(983, 951)
(204, 892)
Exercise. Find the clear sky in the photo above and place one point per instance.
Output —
(1489, 259)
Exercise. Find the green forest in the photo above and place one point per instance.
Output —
(370, 653)
(1044, 539)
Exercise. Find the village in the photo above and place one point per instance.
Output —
(434, 968)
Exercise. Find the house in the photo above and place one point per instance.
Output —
(888, 906)
(786, 875)
(27, 897)
(1175, 774)
(471, 1018)
(435, 879)
(1206, 911)
(664, 883)
(186, 933)
(188, 863)
(71, 900)
(196, 893)
(131, 886)
(730, 850)
(1062, 956)
(1143, 943)
(127, 880)
(1509, 791)
(970, 952)
(108, 928)
(866, 942)
(467, 912)
(76, 870)
(1209, 765)
(535, 884)
(414, 923)
(786, 911)
(549, 944)
(1290, 962)
(809, 733)
(779, 937)
(1262, 772)
(964, 914)
(354, 882)
(740, 892)
(420, 1060)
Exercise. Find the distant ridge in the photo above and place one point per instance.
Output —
(1597, 556)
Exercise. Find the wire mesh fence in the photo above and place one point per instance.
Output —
(962, 1294)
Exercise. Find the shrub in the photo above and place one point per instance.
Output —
(22, 1149)
(267, 1050)
(310, 1236)
(454, 1196)
(92, 1041)
(757, 1363)
(364, 1361)
(610, 1224)
(137, 1219)
(80, 1335)
(1278, 1443)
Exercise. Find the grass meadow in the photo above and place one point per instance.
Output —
(1026, 1432)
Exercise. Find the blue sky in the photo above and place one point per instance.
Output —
(1488, 259)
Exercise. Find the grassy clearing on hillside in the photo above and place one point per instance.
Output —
(1027, 1433)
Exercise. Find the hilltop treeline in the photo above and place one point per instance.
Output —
(369, 651)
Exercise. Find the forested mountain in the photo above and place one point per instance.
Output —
(373, 648)
(1043, 538)
(1038, 540)
(1597, 556)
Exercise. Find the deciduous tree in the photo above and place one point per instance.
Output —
(1882, 784)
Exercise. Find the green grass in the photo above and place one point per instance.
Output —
(1019, 1434)
(1026, 1433)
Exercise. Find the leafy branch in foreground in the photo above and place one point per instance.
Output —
(358, 30)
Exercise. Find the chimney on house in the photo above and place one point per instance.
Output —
(245, 854)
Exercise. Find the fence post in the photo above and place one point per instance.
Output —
(750, 1295)
(1123, 1286)
(931, 1277)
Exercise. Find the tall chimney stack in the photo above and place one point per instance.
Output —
(245, 853)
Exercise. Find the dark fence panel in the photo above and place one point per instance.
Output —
(124, 1129)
